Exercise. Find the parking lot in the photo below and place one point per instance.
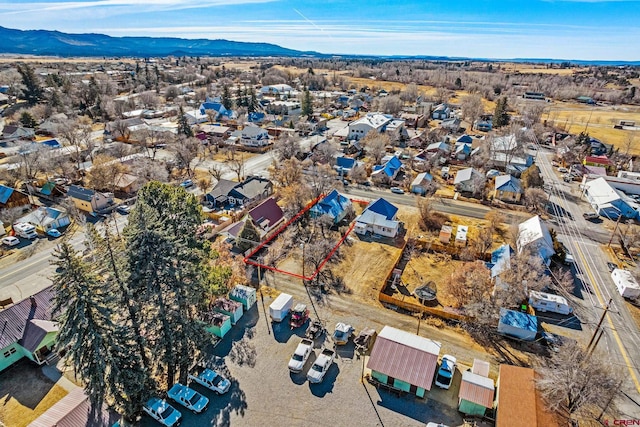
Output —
(254, 356)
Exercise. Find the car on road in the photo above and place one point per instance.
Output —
(10, 241)
(300, 356)
(444, 377)
(186, 184)
(123, 209)
(321, 366)
(397, 190)
(211, 380)
(590, 216)
(161, 411)
(612, 266)
(563, 170)
(54, 232)
(188, 397)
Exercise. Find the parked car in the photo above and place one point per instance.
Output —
(54, 232)
(342, 333)
(188, 397)
(611, 266)
(568, 258)
(10, 241)
(212, 380)
(563, 170)
(321, 366)
(590, 216)
(186, 184)
(161, 411)
(123, 209)
(300, 356)
(444, 377)
(397, 190)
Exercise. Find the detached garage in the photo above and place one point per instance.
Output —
(518, 325)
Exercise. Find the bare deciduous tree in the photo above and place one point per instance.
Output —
(536, 198)
(185, 150)
(287, 172)
(237, 166)
(287, 147)
(472, 108)
(375, 144)
(470, 284)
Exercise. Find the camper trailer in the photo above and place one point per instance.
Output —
(626, 283)
(544, 302)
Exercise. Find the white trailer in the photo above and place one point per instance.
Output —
(626, 283)
(25, 230)
(280, 307)
(543, 302)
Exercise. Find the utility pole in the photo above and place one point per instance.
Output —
(593, 337)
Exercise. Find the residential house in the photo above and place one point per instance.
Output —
(388, 171)
(245, 295)
(602, 161)
(344, 165)
(438, 147)
(51, 125)
(507, 189)
(468, 180)
(88, 200)
(122, 129)
(500, 260)
(441, 112)
(220, 112)
(12, 198)
(599, 148)
(266, 216)
(464, 139)
(519, 325)
(414, 120)
(379, 217)
(359, 128)
(397, 131)
(127, 183)
(284, 108)
(404, 361)
(231, 308)
(451, 124)
(422, 184)
(28, 330)
(334, 205)
(254, 136)
(11, 132)
(484, 123)
(195, 117)
(232, 193)
(625, 181)
(75, 410)
(45, 218)
(476, 390)
(279, 89)
(533, 233)
(518, 402)
(462, 151)
(608, 201)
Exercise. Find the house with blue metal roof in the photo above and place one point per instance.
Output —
(500, 260)
(508, 189)
(12, 198)
(334, 205)
(388, 171)
(518, 325)
(380, 217)
(220, 110)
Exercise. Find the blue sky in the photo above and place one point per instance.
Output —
(564, 29)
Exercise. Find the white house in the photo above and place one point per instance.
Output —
(441, 112)
(196, 116)
(358, 129)
(607, 201)
(254, 136)
(535, 234)
(467, 180)
(380, 217)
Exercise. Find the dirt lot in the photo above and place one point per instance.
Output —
(25, 394)
(425, 268)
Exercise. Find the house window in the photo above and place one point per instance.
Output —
(10, 352)
(390, 380)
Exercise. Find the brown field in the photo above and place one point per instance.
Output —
(436, 268)
(535, 69)
(26, 394)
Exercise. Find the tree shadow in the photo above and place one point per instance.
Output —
(25, 383)
(242, 332)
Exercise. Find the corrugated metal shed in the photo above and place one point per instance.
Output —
(477, 389)
(407, 357)
(516, 397)
(14, 319)
(74, 410)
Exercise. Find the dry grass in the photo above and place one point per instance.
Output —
(26, 394)
(427, 268)
(535, 69)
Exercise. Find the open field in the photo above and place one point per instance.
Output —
(436, 268)
(535, 69)
(25, 394)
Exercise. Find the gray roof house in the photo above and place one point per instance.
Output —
(467, 179)
(234, 193)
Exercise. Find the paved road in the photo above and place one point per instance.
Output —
(621, 339)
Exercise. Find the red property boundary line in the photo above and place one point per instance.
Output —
(248, 261)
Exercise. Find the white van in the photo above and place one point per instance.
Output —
(543, 302)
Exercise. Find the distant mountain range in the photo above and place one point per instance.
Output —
(55, 43)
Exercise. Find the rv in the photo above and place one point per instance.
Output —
(25, 230)
(626, 283)
(543, 302)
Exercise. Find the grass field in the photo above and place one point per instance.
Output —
(535, 69)
(25, 394)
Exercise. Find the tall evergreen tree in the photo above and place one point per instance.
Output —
(86, 328)
(183, 125)
(249, 236)
(307, 104)
(501, 116)
(32, 92)
(226, 98)
(27, 120)
(165, 261)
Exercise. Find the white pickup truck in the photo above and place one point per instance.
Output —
(212, 380)
(300, 356)
(321, 366)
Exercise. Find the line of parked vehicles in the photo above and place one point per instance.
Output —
(160, 410)
(26, 231)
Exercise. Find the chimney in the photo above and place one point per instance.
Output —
(33, 302)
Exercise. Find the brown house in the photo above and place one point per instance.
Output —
(12, 198)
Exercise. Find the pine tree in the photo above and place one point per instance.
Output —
(183, 125)
(86, 328)
(226, 98)
(501, 116)
(32, 92)
(165, 261)
(307, 104)
(248, 237)
(27, 120)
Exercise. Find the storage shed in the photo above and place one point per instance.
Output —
(518, 325)
(243, 294)
(231, 308)
(476, 393)
(461, 235)
(445, 234)
(219, 324)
